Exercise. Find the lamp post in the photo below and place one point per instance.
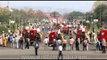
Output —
(10, 18)
(95, 21)
(92, 23)
(88, 27)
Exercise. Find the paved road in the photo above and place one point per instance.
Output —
(6, 52)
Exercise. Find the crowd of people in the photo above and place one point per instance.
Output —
(74, 40)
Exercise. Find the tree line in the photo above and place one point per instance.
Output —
(24, 16)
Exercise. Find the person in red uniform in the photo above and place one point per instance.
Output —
(79, 31)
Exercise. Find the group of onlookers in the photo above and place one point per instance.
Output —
(75, 43)
(14, 40)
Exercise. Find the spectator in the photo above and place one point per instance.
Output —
(64, 44)
(88, 42)
(13, 42)
(27, 40)
(54, 44)
(71, 42)
(10, 39)
(103, 46)
(21, 42)
(85, 43)
(58, 43)
(98, 45)
(77, 43)
(17, 39)
(4, 41)
(36, 46)
(60, 52)
(46, 40)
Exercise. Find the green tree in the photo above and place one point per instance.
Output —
(89, 16)
(55, 14)
(100, 11)
(104, 16)
(75, 15)
(39, 15)
(4, 15)
(97, 3)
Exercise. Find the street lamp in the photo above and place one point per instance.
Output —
(92, 23)
(91, 18)
(95, 21)
(87, 21)
(10, 17)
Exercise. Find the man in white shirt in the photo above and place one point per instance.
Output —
(57, 43)
(46, 40)
(54, 44)
(60, 51)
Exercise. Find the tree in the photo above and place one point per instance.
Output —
(77, 14)
(97, 3)
(4, 15)
(89, 16)
(99, 12)
(55, 14)
(104, 16)
(40, 15)
(67, 16)
(74, 15)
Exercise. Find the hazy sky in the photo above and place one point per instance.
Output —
(82, 6)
